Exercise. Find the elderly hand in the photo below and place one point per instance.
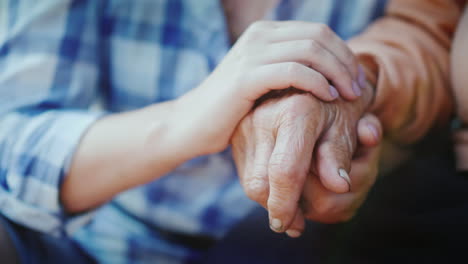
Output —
(273, 149)
(322, 205)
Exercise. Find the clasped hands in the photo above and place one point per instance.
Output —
(301, 157)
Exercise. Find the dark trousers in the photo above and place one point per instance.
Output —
(8, 252)
(22, 245)
(416, 214)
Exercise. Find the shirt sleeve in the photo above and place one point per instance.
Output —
(406, 56)
(48, 80)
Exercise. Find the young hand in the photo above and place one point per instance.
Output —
(268, 56)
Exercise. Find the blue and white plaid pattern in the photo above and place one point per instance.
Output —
(60, 58)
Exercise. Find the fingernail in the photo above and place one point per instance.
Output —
(343, 174)
(276, 225)
(362, 77)
(293, 233)
(333, 92)
(356, 89)
(373, 130)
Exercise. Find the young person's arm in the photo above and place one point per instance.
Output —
(50, 71)
(125, 150)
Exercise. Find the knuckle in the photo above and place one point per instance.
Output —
(279, 205)
(281, 168)
(294, 108)
(301, 102)
(350, 60)
(241, 139)
(339, 150)
(256, 189)
(342, 71)
(291, 68)
(285, 185)
(263, 117)
(259, 26)
(275, 205)
(323, 30)
(287, 125)
(282, 177)
(320, 81)
(246, 124)
(292, 71)
(312, 47)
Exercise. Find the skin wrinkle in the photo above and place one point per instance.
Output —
(322, 121)
(292, 111)
(257, 183)
(337, 208)
(339, 119)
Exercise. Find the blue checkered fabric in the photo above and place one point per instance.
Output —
(65, 63)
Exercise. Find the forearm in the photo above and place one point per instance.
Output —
(406, 59)
(122, 151)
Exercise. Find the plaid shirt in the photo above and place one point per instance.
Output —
(63, 64)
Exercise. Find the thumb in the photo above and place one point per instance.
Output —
(333, 162)
(369, 130)
(335, 153)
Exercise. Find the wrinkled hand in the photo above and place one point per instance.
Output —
(322, 205)
(273, 149)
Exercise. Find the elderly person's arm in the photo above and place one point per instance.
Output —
(459, 63)
(406, 57)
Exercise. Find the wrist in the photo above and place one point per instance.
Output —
(188, 129)
(169, 137)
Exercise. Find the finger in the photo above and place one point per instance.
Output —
(369, 131)
(297, 30)
(288, 74)
(364, 168)
(294, 30)
(320, 204)
(255, 183)
(333, 162)
(297, 226)
(243, 147)
(311, 53)
(288, 167)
